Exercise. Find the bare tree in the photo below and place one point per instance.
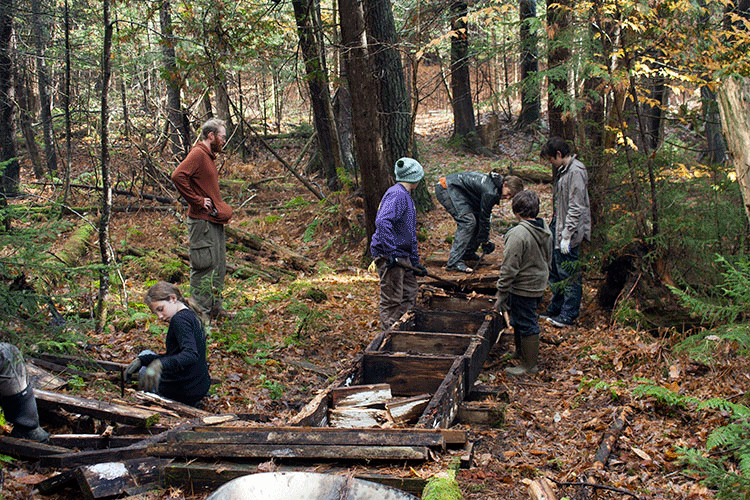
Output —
(530, 96)
(376, 179)
(40, 38)
(309, 28)
(8, 158)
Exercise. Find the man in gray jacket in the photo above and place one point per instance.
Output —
(571, 225)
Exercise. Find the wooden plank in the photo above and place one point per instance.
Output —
(313, 435)
(407, 374)
(357, 418)
(326, 452)
(39, 378)
(57, 482)
(428, 342)
(361, 396)
(180, 409)
(118, 478)
(202, 475)
(481, 392)
(443, 407)
(97, 409)
(406, 410)
(447, 321)
(479, 349)
(315, 413)
(93, 441)
(481, 413)
(74, 459)
(89, 363)
(439, 299)
(57, 368)
(23, 448)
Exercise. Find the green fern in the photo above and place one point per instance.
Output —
(664, 395)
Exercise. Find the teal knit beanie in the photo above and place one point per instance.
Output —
(408, 170)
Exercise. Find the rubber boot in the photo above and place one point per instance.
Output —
(20, 410)
(515, 354)
(529, 355)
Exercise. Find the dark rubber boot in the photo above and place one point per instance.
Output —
(20, 410)
(529, 355)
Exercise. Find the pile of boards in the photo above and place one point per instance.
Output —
(395, 404)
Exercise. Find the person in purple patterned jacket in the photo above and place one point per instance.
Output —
(395, 240)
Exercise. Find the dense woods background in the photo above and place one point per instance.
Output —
(100, 100)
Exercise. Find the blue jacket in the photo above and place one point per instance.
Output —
(396, 226)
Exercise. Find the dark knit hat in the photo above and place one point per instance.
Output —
(408, 170)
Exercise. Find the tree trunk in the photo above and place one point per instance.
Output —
(66, 108)
(394, 101)
(24, 111)
(716, 148)
(8, 156)
(101, 310)
(561, 124)
(40, 38)
(307, 15)
(530, 94)
(173, 81)
(376, 178)
(463, 108)
(734, 94)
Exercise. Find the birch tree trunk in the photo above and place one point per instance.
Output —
(101, 310)
(734, 95)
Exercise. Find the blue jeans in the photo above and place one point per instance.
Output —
(565, 281)
(523, 317)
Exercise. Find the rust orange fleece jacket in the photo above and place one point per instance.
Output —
(197, 178)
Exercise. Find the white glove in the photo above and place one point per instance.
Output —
(565, 246)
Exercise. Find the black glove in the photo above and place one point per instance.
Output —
(133, 367)
(392, 262)
(501, 302)
(420, 270)
(149, 381)
(488, 247)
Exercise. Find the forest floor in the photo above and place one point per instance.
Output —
(553, 421)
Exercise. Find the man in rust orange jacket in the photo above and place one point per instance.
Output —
(197, 180)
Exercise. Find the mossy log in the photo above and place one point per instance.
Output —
(75, 248)
(532, 173)
(258, 243)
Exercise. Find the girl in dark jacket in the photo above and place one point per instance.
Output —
(181, 373)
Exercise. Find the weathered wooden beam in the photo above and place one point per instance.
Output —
(448, 321)
(361, 396)
(437, 298)
(75, 459)
(311, 435)
(443, 407)
(427, 342)
(357, 418)
(407, 374)
(42, 379)
(23, 448)
(93, 441)
(326, 452)
(97, 409)
(481, 413)
(89, 363)
(180, 409)
(406, 410)
(117, 478)
(315, 413)
(58, 368)
(57, 482)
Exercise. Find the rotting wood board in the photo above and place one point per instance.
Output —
(97, 409)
